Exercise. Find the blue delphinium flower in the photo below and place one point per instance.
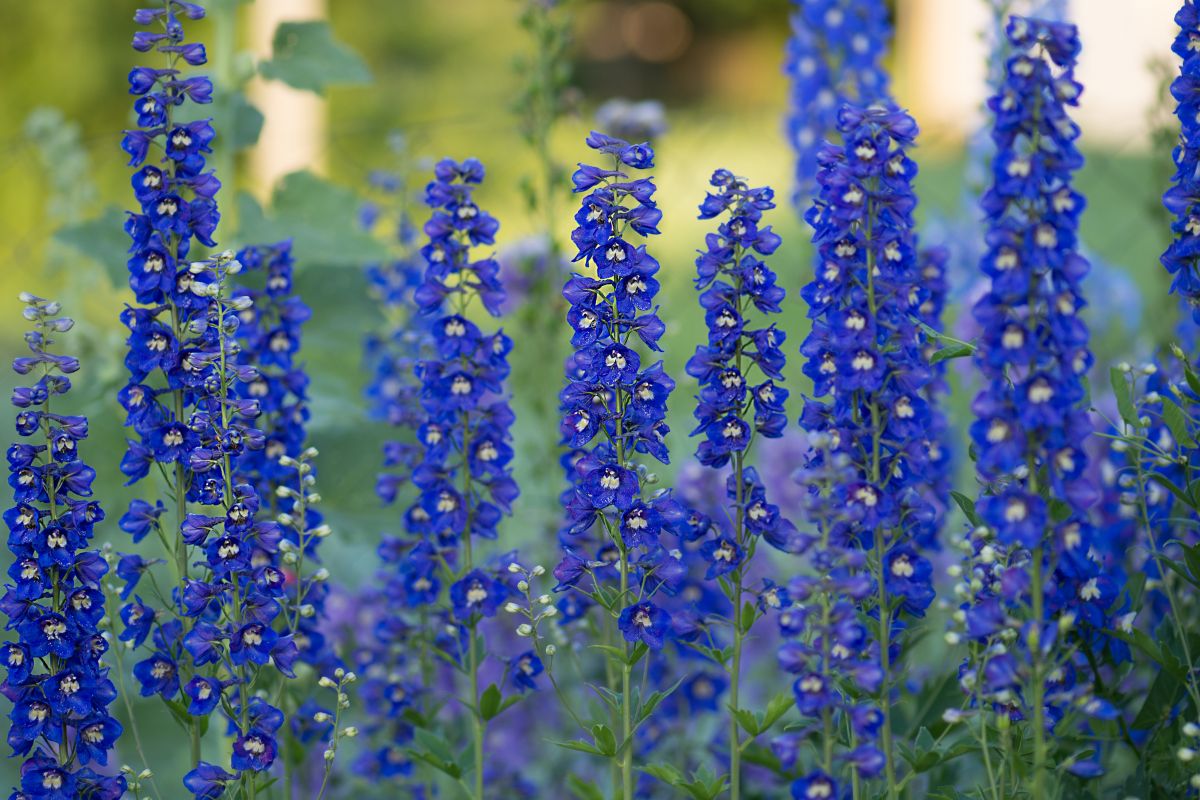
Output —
(740, 398)
(1182, 200)
(614, 408)
(1032, 569)
(834, 57)
(56, 676)
(866, 357)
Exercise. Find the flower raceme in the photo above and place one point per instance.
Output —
(57, 677)
(614, 408)
(1032, 567)
(866, 357)
(740, 398)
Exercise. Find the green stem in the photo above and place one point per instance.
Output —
(1038, 688)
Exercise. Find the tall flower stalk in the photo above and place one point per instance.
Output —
(1182, 200)
(464, 473)
(177, 206)
(614, 409)
(739, 400)
(865, 354)
(1033, 582)
(56, 675)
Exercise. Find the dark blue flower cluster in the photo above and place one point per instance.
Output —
(827, 647)
(834, 57)
(613, 407)
(1032, 567)
(282, 471)
(866, 355)
(392, 353)
(55, 677)
(738, 370)
(189, 401)
(1182, 258)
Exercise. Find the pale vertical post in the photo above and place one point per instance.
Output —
(294, 132)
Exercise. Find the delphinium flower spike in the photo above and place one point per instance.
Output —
(614, 409)
(1182, 200)
(170, 332)
(463, 472)
(1032, 591)
(395, 650)
(833, 57)
(739, 400)
(870, 375)
(56, 677)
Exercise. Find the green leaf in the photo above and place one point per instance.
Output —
(948, 353)
(749, 616)
(664, 772)
(606, 741)
(1122, 392)
(1191, 556)
(489, 702)
(968, 508)
(304, 55)
(778, 705)
(1193, 380)
(1166, 483)
(579, 746)
(746, 719)
(103, 240)
(245, 124)
(321, 218)
(1164, 693)
(583, 790)
(1177, 421)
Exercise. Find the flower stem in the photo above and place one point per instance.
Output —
(1038, 689)
(626, 700)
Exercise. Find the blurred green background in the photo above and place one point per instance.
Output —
(444, 74)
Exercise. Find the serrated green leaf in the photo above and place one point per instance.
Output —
(777, 706)
(305, 55)
(489, 702)
(746, 719)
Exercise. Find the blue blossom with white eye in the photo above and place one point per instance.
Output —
(55, 674)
